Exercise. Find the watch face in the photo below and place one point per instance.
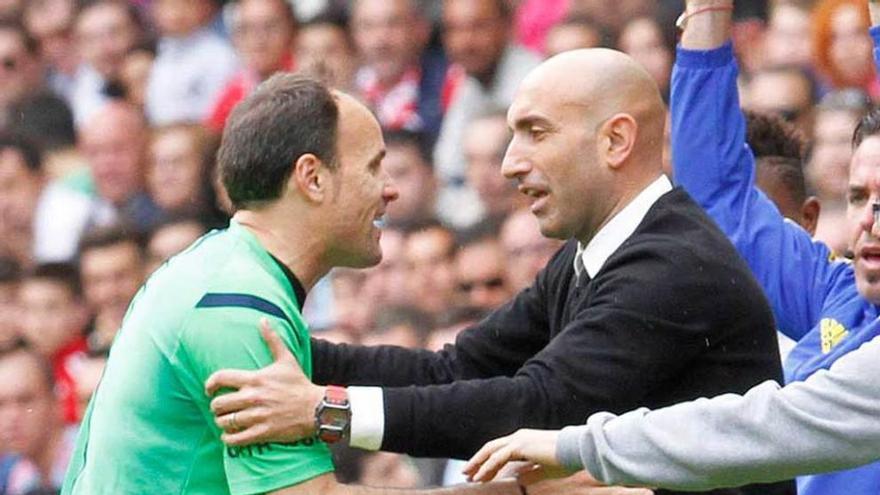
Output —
(331, 415)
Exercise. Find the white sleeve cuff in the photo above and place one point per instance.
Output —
(367, 417)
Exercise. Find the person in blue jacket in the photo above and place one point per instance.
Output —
(827, 304)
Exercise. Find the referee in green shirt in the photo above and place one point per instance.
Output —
(302, 166)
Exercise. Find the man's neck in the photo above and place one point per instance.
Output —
(291, 244)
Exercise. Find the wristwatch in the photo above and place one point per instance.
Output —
(333, 415)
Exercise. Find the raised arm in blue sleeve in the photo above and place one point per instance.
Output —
(713, 163)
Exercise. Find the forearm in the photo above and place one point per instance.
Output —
(826, 423)
(707, 24)
(388, 366)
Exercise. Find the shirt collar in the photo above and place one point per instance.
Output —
(610, 237)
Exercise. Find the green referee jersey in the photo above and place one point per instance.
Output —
(149, 428)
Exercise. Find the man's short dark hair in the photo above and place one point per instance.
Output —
(111, 235)
(778, 146)
(46, 120)
(771, 135)
(62, 273)
(288, 116)
(419, 141)
(868, 126)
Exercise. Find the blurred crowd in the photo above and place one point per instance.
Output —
(111, 112)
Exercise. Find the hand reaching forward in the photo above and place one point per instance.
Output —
(273, 404)
(541, 469)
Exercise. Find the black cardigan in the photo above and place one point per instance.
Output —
(674, 314)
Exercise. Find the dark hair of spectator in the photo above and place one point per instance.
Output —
(867, 127)
(22, 347)
(480, 232)
(46, 120)
(62, 273)
(288, 116)
(31, 45)
(10, 271)
(417, 140)
(177, 219)
(403, 315)
(33, 158)
(111, 235)
(780, 147)
(457, 315)
(771, 135)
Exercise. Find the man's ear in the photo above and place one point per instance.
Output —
(810, 214)
(308, 178)
(617, 138)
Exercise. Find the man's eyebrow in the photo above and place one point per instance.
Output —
(530, 120)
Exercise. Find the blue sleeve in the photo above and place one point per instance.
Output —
(713, 163)
(875, 37)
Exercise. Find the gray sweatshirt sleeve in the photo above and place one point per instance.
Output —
(829, 422)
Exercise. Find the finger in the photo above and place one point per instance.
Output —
(495, 462)
(276, 346)
(254, 434)
(482, 455)
(234, 379)
(232, 402)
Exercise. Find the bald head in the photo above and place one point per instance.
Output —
(113, 141)
(603, 82)
(587, 138)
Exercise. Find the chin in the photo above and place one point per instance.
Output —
(869, 287)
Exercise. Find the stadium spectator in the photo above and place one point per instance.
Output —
(783, 91)
(37, 447)
(134, 74)
(386, 283)
(408, 161)
(836, 116)
(179, 171)
(487, 69)
(50, 22)
(263, 32)
(642, 39)
(787, 38)
(779, 166)
(170, 238)
(526, 250)
(484, 141)
(21, 182)
(398, 78)
(193, 63)
(842, 47)
(587, 124)
(480, 273)
(324, 48)
(114, 142)
(106, 30)
(112, 267)
(428, 255)
(572, 33)
(404, 326)
(21, 70)
(53, 321)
